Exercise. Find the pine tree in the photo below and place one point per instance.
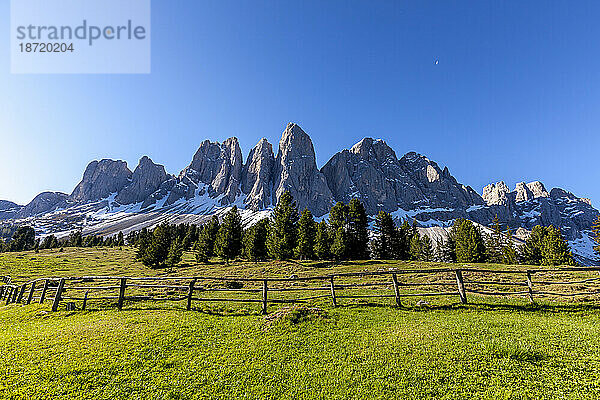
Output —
(596, 230)
(509, 253)
(283, 231)
(531, 251)
(322, 242)
(555, 250)
(415, 247)
(228, 244)
(426, 248)
(493, 244)
(120, 239)
(255, 241)
(384, 245)
(338, 216)
(201, 250)
(469, 242)
(209, 232)
(155, 253)
(402, 243)
(305, 249)
(23, 239)
(175, 253)
(339, 247)
(358, 231)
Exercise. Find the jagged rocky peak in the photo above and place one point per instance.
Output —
(101, 179)
(43, 203)
(257, 176)
(217, 165)
(496, 194)
(296, 171)
(376, 149)
(529, 191)
(146, 179)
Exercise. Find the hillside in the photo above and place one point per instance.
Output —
(488, 349)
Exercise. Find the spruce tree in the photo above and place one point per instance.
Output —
(339, 247)
(323, 242)
(201, 250)
(402, 243)
(426, 249)
(415, 247)
(120, 239)
(157, 250)
(531, 251)
(555, 250)
(596, 230)
(228, 244)
(283, 231)
(384, 245)
(175, 253)
(209, 234)
(338, 216)
(255, 241)
(509, 253)
(469, 242)
(493, 244)
(358, 231)
(305, 249)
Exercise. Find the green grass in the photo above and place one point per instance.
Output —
(492, 349)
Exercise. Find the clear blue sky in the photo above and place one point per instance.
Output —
(515, 96)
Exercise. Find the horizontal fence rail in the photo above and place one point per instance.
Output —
(390, 284)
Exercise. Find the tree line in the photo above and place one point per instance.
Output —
(24, 239)
(289, 234)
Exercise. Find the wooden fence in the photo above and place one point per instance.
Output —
(392, 284)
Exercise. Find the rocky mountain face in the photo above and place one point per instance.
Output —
(146, 179)
(296, 171)
(410, 187)
(101, 179)
(371, 172)
(257, 176)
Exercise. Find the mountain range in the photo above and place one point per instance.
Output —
(112, 198)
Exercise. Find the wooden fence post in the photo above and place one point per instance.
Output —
(31, 290)
(44, 290)
(8, 294)
(15, 293)
(21, 293)
(85, 296)
(396, 289)
(530, 286)
(190, 294)
(122, 292)
(333, 298)
(264, 299)
(59, 289)
(461, 286)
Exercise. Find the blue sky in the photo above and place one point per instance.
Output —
(515, 95)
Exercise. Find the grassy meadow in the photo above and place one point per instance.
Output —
(488, 349)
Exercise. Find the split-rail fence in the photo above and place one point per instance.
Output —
(77, 292)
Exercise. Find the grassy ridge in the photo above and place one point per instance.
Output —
(501, 349)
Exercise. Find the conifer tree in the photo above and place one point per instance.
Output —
(469, 244)
(338, 216)
(255, 241)
(358, 231)
(555, 250)
(156, 248)
(201, 250)
(494, 243)
(120, 239)
(402, 243)
(596, 230)
(426, 248)
(209, 234)
(305, 249)
(415, 246)
(175, 253)
(228, 244)
(509, 253)
(339, 247)
(283, 232)
(384, 245)
(322, 241)
(531, 251)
